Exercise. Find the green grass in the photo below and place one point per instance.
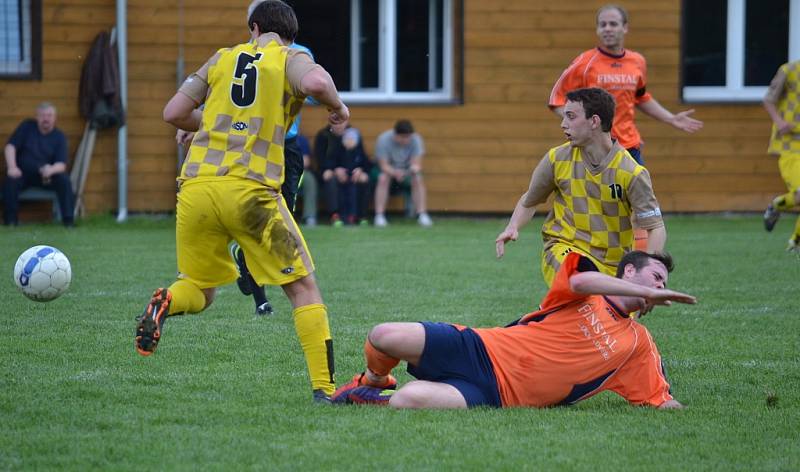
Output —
(229, 391)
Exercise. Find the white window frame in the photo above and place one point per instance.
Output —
(25, 66)
(386, 92)
(734, 89)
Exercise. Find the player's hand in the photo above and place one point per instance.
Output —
(684, 122)
(14, 172)
(509, 234)
(783, 127)
(183, 137)
(338, 115)
(665, 297)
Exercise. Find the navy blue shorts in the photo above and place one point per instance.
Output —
(458, 358)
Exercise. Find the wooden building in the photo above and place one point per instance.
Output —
(482, 143)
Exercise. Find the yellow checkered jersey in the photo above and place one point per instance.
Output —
(593, 205)
(248, 108)
(786, 84)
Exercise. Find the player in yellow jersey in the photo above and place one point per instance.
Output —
(231, 179)
(782, 101)
(597, 187)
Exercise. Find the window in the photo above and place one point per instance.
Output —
(20, 41)
(384, 51)
(731, 49)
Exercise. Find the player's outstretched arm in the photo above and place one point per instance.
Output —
(519, 218)
(596, 283)
(540, 187)
(682, 121)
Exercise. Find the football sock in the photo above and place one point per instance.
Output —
(186, 298)
(311, 324)
(378, 363)
(640, 239)
(784, 202)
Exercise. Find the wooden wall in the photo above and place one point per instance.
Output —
(480, 154)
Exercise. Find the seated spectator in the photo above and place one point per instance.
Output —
(309, 187)
(36, 156)
(345, 174)
(399, 154)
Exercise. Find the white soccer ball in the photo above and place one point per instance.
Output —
(42, 273)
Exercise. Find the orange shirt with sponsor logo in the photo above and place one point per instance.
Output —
(624, 76)
(574, 347)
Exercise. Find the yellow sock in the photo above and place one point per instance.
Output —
(796, 234)
(311, 324)
(784, 202)
(186, 298)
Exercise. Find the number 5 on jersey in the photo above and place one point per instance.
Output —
(245, 80)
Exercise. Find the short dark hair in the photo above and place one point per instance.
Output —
(611, 6)
(596, 101)
(403, 127)
(640, 259)
(274, 16)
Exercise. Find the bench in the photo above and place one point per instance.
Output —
(38, 194)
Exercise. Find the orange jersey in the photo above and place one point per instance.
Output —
(623, 76)
(574, 347)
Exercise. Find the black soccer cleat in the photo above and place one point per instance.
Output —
(319, 397)
(771, 216)
(243, 281)
(150, 323)
(265, 309)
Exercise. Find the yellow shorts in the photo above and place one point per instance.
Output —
(554, 254)
(789, 165)
(215, 211)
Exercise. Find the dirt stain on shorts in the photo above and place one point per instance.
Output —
(258, 219)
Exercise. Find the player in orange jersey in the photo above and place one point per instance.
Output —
(580, 343)
(623, 73)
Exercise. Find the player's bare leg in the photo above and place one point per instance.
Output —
(425, 394)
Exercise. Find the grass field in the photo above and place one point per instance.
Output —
(228, 391)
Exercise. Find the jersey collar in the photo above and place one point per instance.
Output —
(606, 53)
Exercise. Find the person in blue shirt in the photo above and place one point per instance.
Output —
(36, 156)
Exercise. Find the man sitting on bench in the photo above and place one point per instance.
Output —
(36, 156)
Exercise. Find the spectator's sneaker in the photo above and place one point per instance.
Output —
(148, 328)
(341, 395)
(243, 281)
(336, 221)
(425, 220)
(319, 397)
(380, 221)
(363, 222)
(794, 245)
(771, 216)
(311, 222)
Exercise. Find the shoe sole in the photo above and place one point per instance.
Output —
(149, 326)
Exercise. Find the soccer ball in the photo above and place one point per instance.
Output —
(42, 273)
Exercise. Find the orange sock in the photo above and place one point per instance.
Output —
(377, 362)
